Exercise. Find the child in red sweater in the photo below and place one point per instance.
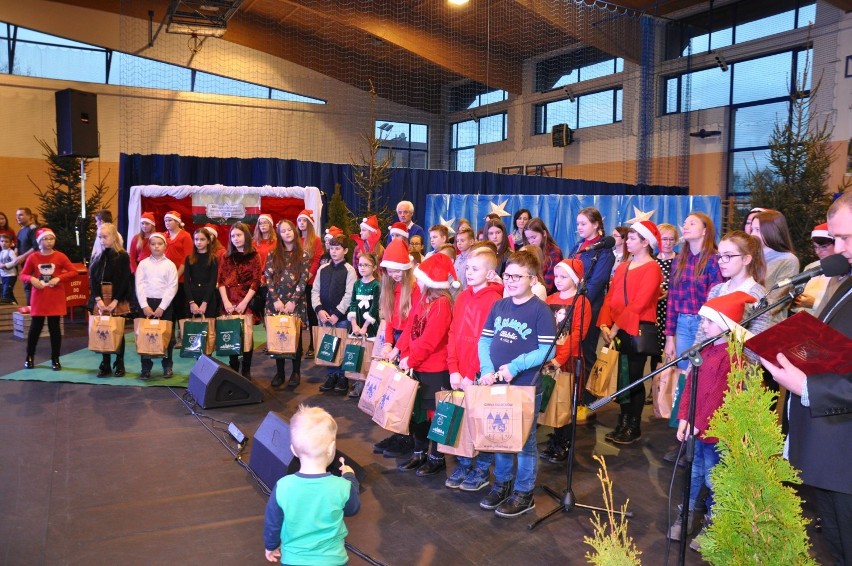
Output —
(423, 348)
(718, 314)
(566, 276)
(469, 314)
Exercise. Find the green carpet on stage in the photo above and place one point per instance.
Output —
(82, 366)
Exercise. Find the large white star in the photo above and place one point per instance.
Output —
(499, 209)
(448, 223)
(640, 216)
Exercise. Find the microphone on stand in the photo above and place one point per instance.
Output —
(605, 244)
(831, 266)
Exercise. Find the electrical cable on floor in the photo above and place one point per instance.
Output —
(191, 405)
(680, 453)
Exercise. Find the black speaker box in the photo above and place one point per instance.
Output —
(562, 135)
(76, 123)
(213, 384)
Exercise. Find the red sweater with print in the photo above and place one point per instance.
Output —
(49, 301)
(424, 338)
(568, 345)
(469, 314)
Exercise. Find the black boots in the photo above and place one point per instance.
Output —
(630, 433)
(55, 365)
(417, 459)
(246, 365)
(29, 363)
(104, 369)
(622, 420)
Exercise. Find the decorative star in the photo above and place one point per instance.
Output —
(447, 223)
(499, 209)
(640, 216)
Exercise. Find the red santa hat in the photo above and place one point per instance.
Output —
(727, 312)
(757, 209)
(649, 231)
(821, 231)
(331, 232)
(266, 217)
(211, 231)
(400, 229)
(159, 235)
(174, 215)
(41, 233)
(435, 272)
(573, 267)
(148, 217)
(307, 214)
(370, 223)
(396, 256)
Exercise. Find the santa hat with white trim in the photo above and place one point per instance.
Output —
(331, 232)
(370, 223)
(267, 217)
(396, 256)
(159, 235)
(649, 231)
(727, 312)
(174, 215)
(148, 217)
(399, 229)
(821, 231)
(41, 233)
(308, 215)
(573, 267)
(435, 272)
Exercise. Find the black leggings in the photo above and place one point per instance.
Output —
(36, 326)
(297, 360)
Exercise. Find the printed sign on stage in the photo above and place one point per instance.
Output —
(225, 208)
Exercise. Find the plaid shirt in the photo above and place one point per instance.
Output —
(552, 256)
(690, 294)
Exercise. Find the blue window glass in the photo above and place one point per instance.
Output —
(597, 70)
(766, 77)
(766, 26)
(708, 88)
(754, 124)
(722, 38)
(619, 65)
(129, 70)
(561, 112)
(465, 134)
(464, 160)
(492, 128)
(64, 63)
(595, 109)
(489, 98)
(4, 54)
(419, 133)
(671, 95)
(293, 97)
(804, 62)
(214, 84)
(699, 44)
(743, 163)
(570, 78)
(32, 35)
(619, 101)
(807, 15)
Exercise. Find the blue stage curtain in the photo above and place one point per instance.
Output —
(559, 212)
(405, 184)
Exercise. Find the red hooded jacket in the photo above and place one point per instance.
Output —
(469, 314)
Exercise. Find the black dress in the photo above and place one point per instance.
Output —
(199, 283)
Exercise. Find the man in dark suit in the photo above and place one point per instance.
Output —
(820, 407)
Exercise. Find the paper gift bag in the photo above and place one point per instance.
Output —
(378, 341)
(604, 374)
(336, 352)
(623, 379)
(558, 410)
(446, 422)
(378, 372)
(283, 333)
(197, 337)
(502, 416)
(662, 392)
(353, 354)
(152, 336)
(105, 333)
(463, 445)
(229, 335)
(547, 383)
(396, 403)
(679, 387)
(360, 374)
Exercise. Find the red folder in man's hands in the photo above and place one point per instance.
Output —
(810, 345)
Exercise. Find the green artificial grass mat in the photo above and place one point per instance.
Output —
(82, 366)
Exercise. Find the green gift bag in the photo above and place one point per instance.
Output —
(547, 384)
(446, 423)
(353, 355)
(681, 385)
(229, 336)
(194, 338)
(328, 347)
(623, 379)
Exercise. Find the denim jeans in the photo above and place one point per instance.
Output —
(504, 463)
(706, 456)
(685, 332)
(482, 461)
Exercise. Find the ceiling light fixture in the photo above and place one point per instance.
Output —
(458, 2)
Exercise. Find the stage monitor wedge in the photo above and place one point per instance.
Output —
(270, 449)
(76, 123)
(213, 384)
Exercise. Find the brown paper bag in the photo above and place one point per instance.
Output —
(283, 333)
(558, 411)
(210, 345)
(366, 361)
(319, 332)
(152, 336)
(603, 377)
(663, 387)
(464, 441)
(105, 333)
(396, 403)
(502, 416)
(378, 342)
(378, 372)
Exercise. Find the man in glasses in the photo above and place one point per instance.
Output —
(405, 212)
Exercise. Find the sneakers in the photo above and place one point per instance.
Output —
(380, 446)
(695, 544)
(676, 530)
(518, 504)
(475, 480)
(399, 446)
(342, 385)
(457, 477)
(329, 383)
(498, 494)
(560, 453)
(547, 452)
(357, 389)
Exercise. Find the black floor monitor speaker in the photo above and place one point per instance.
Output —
(213, 384)
(271, 457)
(76, 123)
(562, 135)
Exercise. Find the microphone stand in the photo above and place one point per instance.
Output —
(693, 355)
(567, 499)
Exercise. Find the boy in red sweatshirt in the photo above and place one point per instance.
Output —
(469, 313)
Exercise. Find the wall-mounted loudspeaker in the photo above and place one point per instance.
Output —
(562, 135)
(213, 384)
(76, 123)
